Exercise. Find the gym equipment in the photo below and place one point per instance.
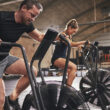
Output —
(54, 95)
(95, 85)
(50, 95)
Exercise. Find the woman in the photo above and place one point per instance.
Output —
(59, 55)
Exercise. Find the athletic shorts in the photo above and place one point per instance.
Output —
(6, 62)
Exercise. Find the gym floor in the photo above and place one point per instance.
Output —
(10, 84)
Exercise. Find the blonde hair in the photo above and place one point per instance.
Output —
(72, 23)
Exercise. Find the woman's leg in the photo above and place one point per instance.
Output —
(72, 68)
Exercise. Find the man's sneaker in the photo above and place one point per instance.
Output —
(14, 104)
(6, 105)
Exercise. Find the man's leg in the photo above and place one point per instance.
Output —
(60, 62)
(18, 67)
(2, 94)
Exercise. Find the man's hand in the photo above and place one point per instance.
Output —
(0, 41)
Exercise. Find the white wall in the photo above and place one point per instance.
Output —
(103, 39)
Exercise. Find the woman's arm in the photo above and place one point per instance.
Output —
(76, 44)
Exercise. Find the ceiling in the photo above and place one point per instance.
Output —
(93, 16)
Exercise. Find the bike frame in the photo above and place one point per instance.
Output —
(95, 82)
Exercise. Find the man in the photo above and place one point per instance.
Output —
(59, 54)
(12, 25)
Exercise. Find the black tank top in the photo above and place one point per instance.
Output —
(59, 52)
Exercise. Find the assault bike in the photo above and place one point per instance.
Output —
(49, 95)
(95, 85)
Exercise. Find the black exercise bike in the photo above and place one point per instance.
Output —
(95, 85)
(49, 95)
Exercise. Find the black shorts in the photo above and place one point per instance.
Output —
(55, 58)
(6, 62)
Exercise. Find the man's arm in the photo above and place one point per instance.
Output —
(37, 35)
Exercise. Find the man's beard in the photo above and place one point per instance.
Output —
(26, 22)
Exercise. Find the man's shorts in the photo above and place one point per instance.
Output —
(6, 62)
